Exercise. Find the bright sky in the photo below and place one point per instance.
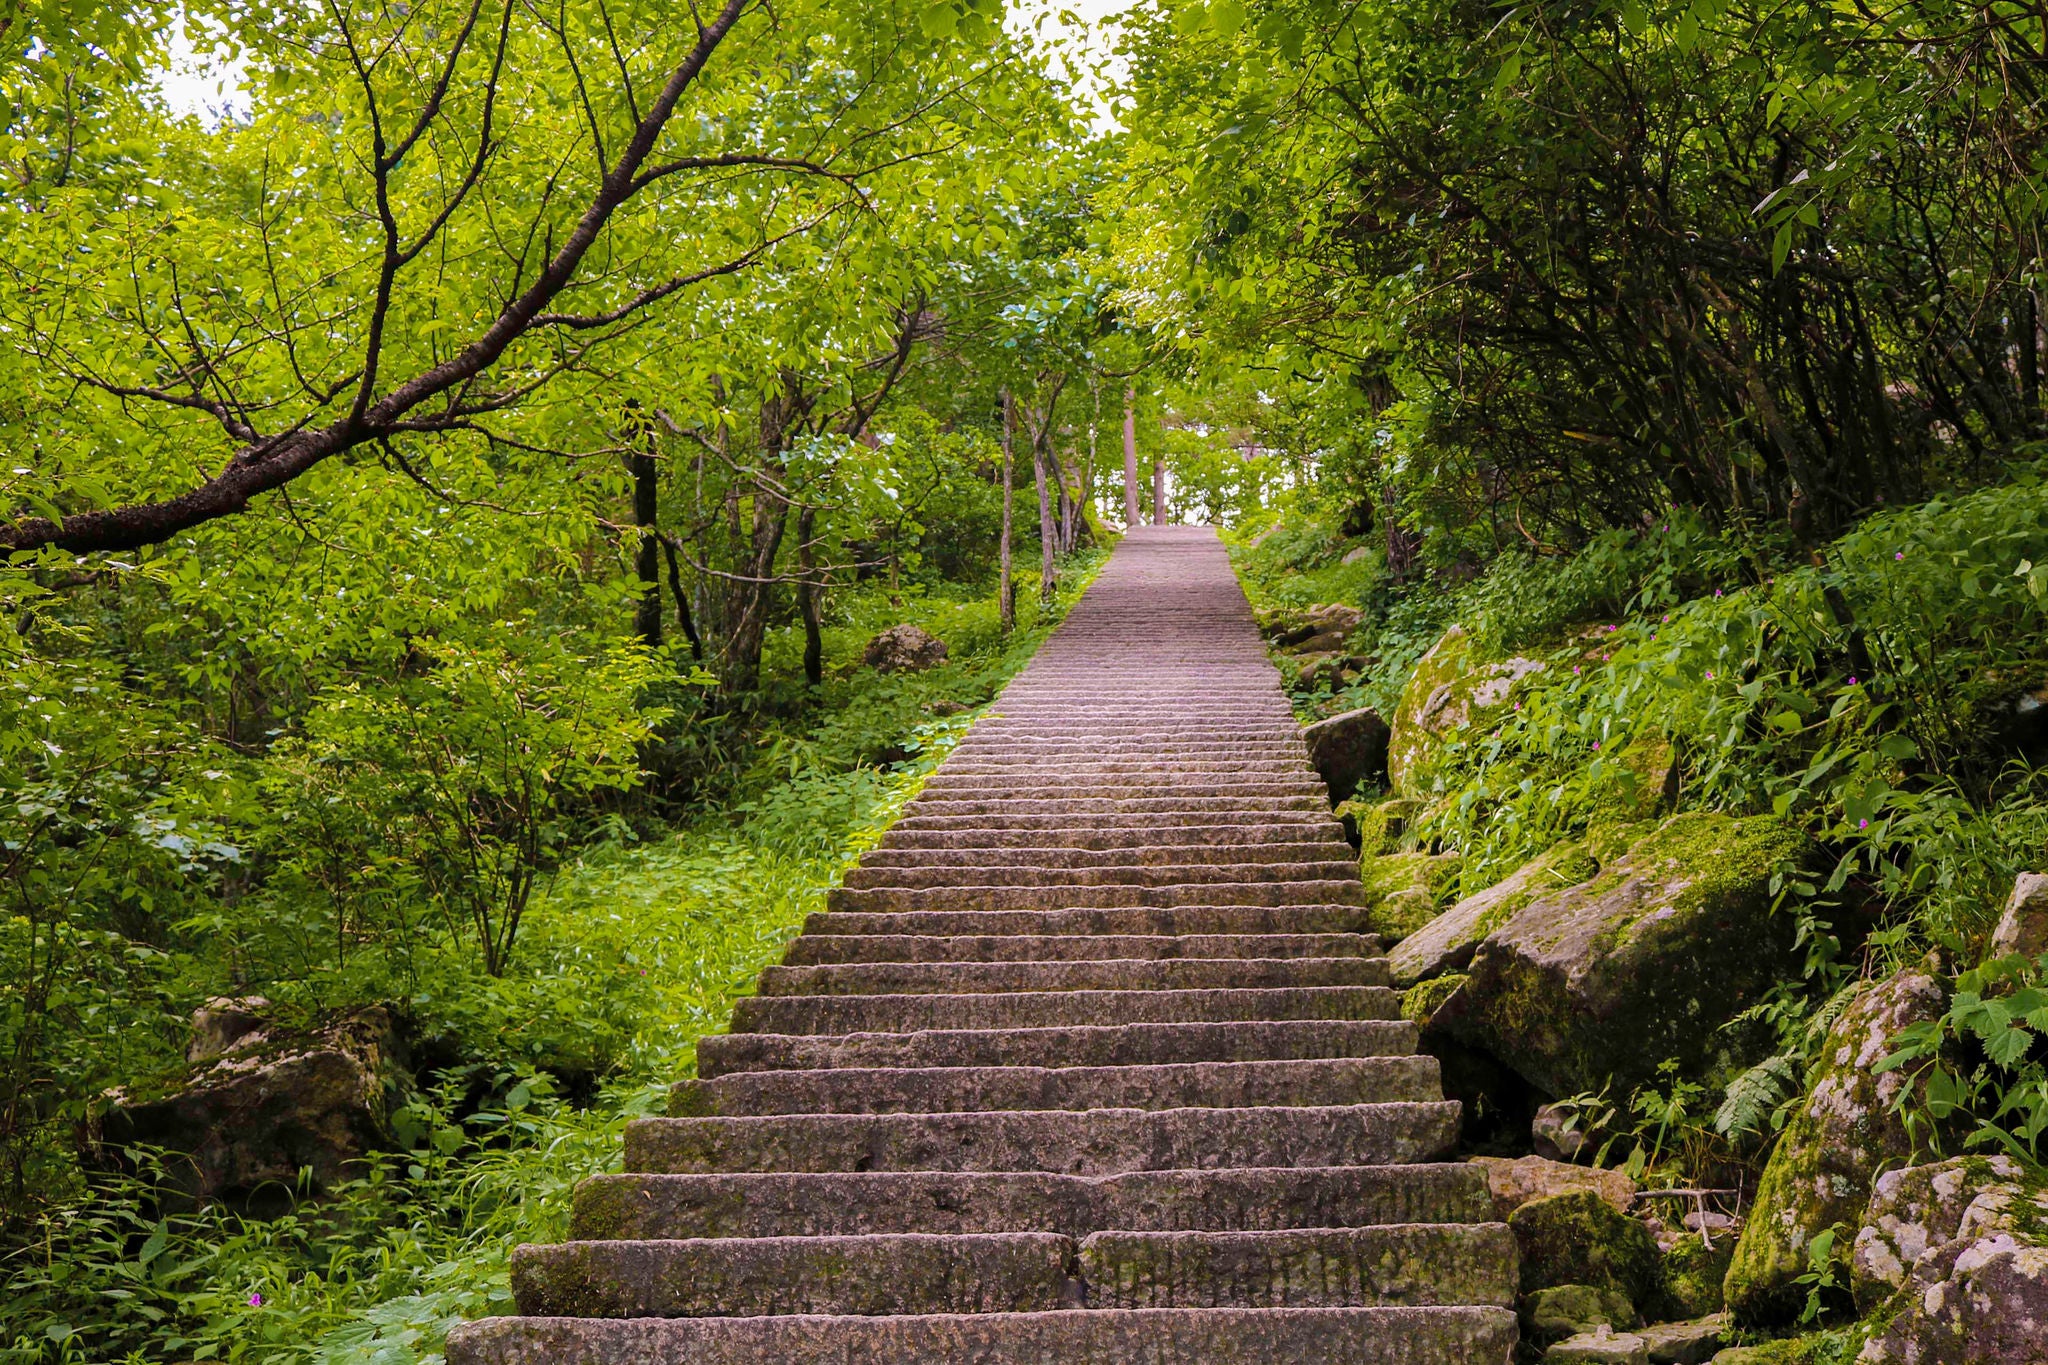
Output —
(211, 92)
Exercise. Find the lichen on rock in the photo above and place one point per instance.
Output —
(1447, 942)
(1579, 1238)
(1404, 891)
(1449, 690)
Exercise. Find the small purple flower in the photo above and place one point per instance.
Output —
(1852, 680)
(1596, 743)
(1863, 824)
(255, 1300)
(1900, 555)
(1710, 675)
(1717, 592)
(1603, 658)
(1575, 668)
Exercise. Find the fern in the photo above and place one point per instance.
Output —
(1756, 1099)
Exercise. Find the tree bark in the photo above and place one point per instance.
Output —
(1048, 577)
(1132, 509)
(646, 509)
(1006, 607)
(807, 597)
(1159, 492)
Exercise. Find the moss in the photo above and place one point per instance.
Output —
(1378, 825)
(1424, 998)
(1579, 1238)
(1563, 865)
(1405, 891)
(1693, 1273)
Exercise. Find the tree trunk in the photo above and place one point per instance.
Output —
(1048, 577)
(1006, 601)
(752, 590)
(1132, 510)
(808, 591)
(646, 508)
(1159, 492)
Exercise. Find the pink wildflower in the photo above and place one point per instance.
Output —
(255, 1300)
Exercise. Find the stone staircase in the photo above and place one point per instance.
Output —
(1088, 1064)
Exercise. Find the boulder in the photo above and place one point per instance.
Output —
(1685, 1343)
(1694, 1270)
(1567, 1310)
(1913, 1210)
(1348, 750)
(1376, 827)
(1972, 1301)
(1580, 1239)
(1332, 622)
(266, 1106)
(1600, 983)
(1449, 690)
(222, 1022)
(1446, 943)
(1840, 1135)
(2023, 928)
(1602, 1346)
(1419, 1002)
(1404, 891)
(905, 649)
(1558, 1133)
(1515, 1181)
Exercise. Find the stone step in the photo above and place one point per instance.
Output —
(1409, 1264)
(808, 1205)
(1114, 974)
(1160, 1336)
(815, 1014)
(966, 1089)
(1052, 863)
(1183, 873)
(1318, 833)
(1220, 763)
(940, 788)
(1003, 809)
(1133, 919)
(1305, 815)
(1088, 1046)
(812, 950)
(1095, 1142)
(1329, 891)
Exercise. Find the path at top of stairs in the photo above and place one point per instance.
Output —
(1089, 1063)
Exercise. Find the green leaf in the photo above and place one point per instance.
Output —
(1226, 17)
(1781, 247)
(940, 20)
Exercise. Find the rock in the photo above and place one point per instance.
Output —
(1685, 1343)
(1376, 827)
(1357, 553)
(1972, 1301)
(222, 1022)
(2023, 929)
(1840, 1135)
(1518, 1180)
(1693, 1272)
(1603, 1347)
(1348, 750)
(1405, 890)
(1446, 943)
(905, 649)
(1556, 1135)
(944, 707)
(272, 1104)
(1913, 1210)
(1580, 1239)
(1448, 691)
(1419, 1003)
(1294, 630)
(1567, 1310)
(1600, 983)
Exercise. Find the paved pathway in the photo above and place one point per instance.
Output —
(1087, 1064)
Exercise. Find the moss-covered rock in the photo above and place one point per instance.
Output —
(1693, 1272)
(1449, 690)
(1914, 1209)
(1419, 1003)
(1581, 1239)
(1515, 1181)
(1566, 1310)
(1602, 982)
(1840, 1135)
(1446, 943)
(1404, 891)
(1377, 826)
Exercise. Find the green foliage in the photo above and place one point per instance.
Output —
(1979, 1074)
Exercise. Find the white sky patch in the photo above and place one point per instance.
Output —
(1082, 34)
(197, 85)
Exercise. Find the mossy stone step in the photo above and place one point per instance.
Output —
(810, 950)
(1054, 863)
(1041, 897)
(998, 810)
(1095, 1142)
(1036, 1009)
(1126, 974)
(1413, 1263)
(826, 1205)
(963, 1089)
(1111, 1045)
(1310, 831)
(1186, 872)
(1165, 1336)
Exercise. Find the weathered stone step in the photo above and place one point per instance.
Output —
(1087, 1046)
(941, 788)
(1241, 760)
(1322, 892)
(1162, 1336)
(1001, 810)
(1311, 822)
(1187, 873)
(1096, 1142)
(1034, 1009)
(1410, 1264)
(813, 950)
(964, 1089)
(808, 1205)
(1128, 919)
(1311, 832)
(1114, 974)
